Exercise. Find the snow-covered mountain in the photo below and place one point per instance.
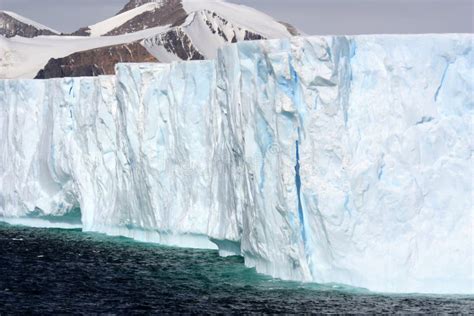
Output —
(169, 30)
(209, 25)
(12, 24)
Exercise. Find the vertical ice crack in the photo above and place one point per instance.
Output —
(443, 77)
(298, 192)
(303, 231)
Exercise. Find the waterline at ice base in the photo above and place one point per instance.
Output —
(331, 159)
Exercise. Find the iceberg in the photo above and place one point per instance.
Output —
(331, 159)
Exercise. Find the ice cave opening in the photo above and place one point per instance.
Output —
(71, 219)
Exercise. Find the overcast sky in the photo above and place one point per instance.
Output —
(310, 16)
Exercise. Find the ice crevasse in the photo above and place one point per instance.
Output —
(329, 159)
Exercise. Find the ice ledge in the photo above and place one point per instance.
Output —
(39, 223)
(193, 241)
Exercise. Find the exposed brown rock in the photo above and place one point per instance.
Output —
(177, 43)
(293, 31)
(132, 4)
(94, 62)
(83, 31)
(251, 36)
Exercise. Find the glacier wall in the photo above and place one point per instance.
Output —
(55, 146)
(166, 114)
(83, 143)
(325, 159)
(362, 154)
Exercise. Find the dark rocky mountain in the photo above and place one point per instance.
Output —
(95, 62)
(12, 24)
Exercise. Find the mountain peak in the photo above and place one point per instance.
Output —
(13, 24)
(132, 4)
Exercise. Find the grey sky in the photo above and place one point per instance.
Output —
(310, 16)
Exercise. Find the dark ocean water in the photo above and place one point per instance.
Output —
(45, 271)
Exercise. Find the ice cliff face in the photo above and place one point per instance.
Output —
(361, 154)
(56, 140)
(326, 159)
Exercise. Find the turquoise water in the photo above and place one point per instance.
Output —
(55, 270)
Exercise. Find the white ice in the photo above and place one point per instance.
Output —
(323, 159)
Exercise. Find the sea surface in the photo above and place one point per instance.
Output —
(45, 271)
